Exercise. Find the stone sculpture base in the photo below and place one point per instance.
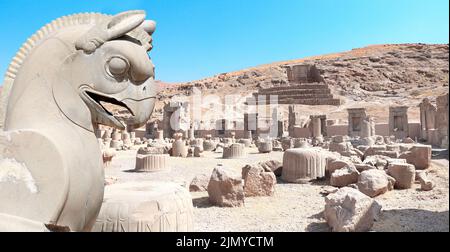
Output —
(145, 207)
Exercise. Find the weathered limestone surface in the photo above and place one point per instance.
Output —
(225, 189)
(258, 181)
(419, 156)
(425, 183)
(344, 176)
(374, 182)
(108, 155)
(404, 174)
(275, 166)
(151, 162)
(349, 210)
(303, 165)
(145, 207)
(234, 151)
(265, 147)
(54, 107)
(199, 183)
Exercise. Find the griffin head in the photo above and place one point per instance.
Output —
(111, 66)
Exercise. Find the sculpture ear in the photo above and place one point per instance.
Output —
(125, 22)
(149, 26)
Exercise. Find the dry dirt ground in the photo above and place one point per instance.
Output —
(294, 207)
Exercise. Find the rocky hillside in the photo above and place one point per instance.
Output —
(402, 70)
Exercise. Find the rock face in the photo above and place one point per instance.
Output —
(349, 210)
(145, 207)
(344, 176)
(382, 68)
(374, 182)
(303, 165)
(419, 156)
(404, 174)
(274, 165)
(225, 189)
(258, 181)
(199, 183)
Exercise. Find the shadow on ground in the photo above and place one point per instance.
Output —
(439, 154)
(319, 226)
(202, 202)
(399, 220)
(412, 220)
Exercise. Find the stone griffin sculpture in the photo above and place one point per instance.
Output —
(57, 85)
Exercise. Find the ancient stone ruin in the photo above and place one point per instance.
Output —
(89, 143)
(306, 86)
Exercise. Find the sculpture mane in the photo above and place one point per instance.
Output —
(56, 25)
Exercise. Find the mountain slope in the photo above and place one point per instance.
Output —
(379, 70)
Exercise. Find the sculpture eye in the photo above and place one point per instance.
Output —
(118, 66)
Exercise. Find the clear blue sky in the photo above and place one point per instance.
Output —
(200, 38)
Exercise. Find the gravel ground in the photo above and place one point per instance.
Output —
(294, 207)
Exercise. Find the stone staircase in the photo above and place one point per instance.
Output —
(317, 93)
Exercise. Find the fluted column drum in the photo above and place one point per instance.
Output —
(246, 142)
(265, 147)
(303, 165)
(209, 145)
(234, 151)
(145, 207)
(151, 162)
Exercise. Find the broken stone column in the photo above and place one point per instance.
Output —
(265, 147)
(303, 165)
(145, 207)
(398, 122)
(316, 127)
(367, 127)
(191, 133)
(442, 120)
(151, 162)
(234, 151)
(159, 135)
(116, 135)
(179, 148)
(427, 121)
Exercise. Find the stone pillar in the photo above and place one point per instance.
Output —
(248, 134)
(367, 127)
(427, 121)
(116, 135)
(316, 126)
(442, 120)
(159, 135)
(398, 122)
(294, 117)
(191, 133)
(251, 122)
(355, 121)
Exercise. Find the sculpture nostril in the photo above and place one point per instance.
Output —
(144, 89)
